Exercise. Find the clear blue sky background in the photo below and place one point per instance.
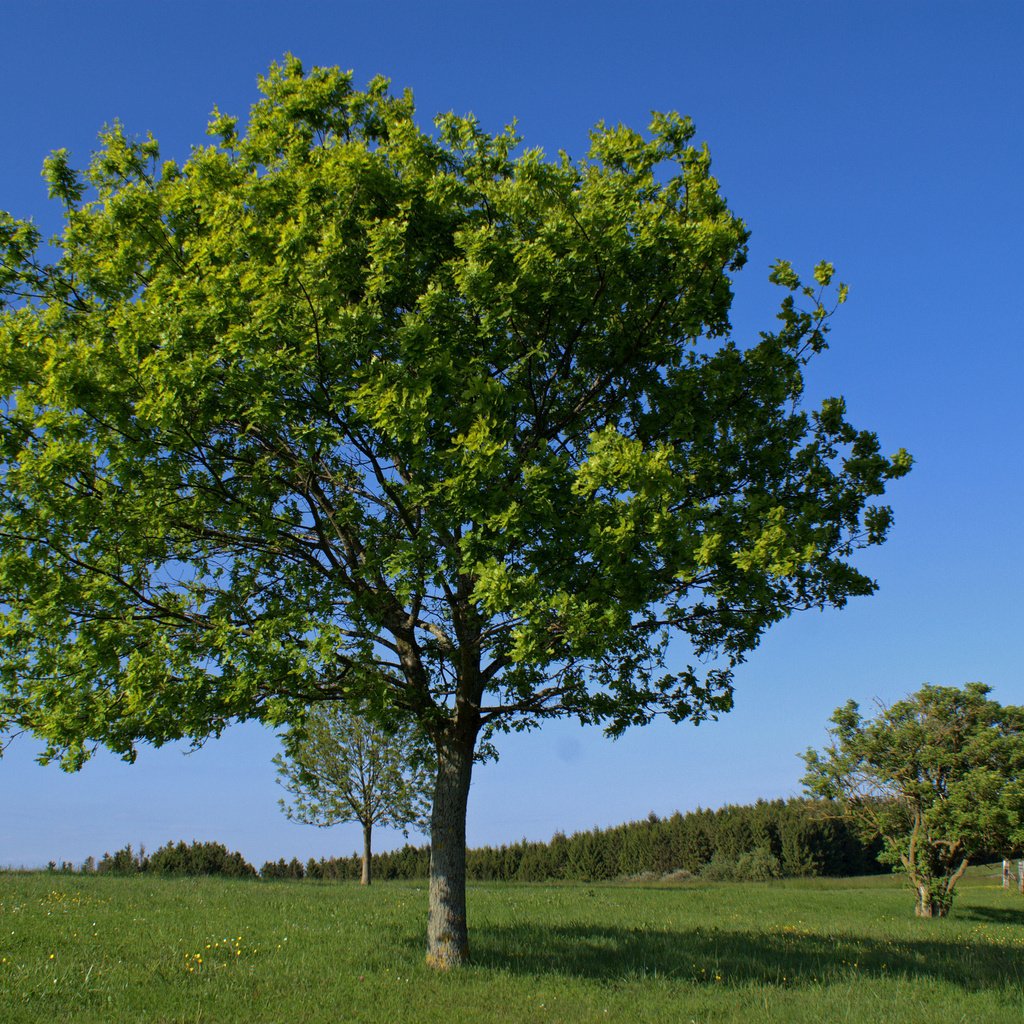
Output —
(884, 136)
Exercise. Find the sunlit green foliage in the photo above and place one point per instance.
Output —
(341, 409)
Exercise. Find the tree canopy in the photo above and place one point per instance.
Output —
(938, 776)
(339, 409)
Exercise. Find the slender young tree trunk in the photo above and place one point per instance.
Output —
(447, 935)
(367, 855)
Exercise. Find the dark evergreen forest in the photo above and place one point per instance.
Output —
(769, 839)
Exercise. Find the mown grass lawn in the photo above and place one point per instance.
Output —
(87, 949)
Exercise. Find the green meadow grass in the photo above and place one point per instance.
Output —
(91, 949)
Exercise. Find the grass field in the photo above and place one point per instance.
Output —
(91, 949)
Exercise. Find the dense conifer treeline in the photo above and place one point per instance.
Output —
(769, 839)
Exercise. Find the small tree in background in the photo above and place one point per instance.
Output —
(938, 776)
(341, 767)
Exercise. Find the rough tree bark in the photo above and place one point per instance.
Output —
(447, 935)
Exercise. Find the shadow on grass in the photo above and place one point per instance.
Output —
(998, 915)
(772, 957)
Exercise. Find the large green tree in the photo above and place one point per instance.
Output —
(339, 409)
(938, 777)
(340, 766)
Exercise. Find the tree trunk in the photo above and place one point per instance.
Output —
(367, 855)
(924, 907)
(447, 935)
(928, 905)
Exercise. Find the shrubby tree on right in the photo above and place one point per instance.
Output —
(938, 777)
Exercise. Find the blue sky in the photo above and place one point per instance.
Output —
(883, 136)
